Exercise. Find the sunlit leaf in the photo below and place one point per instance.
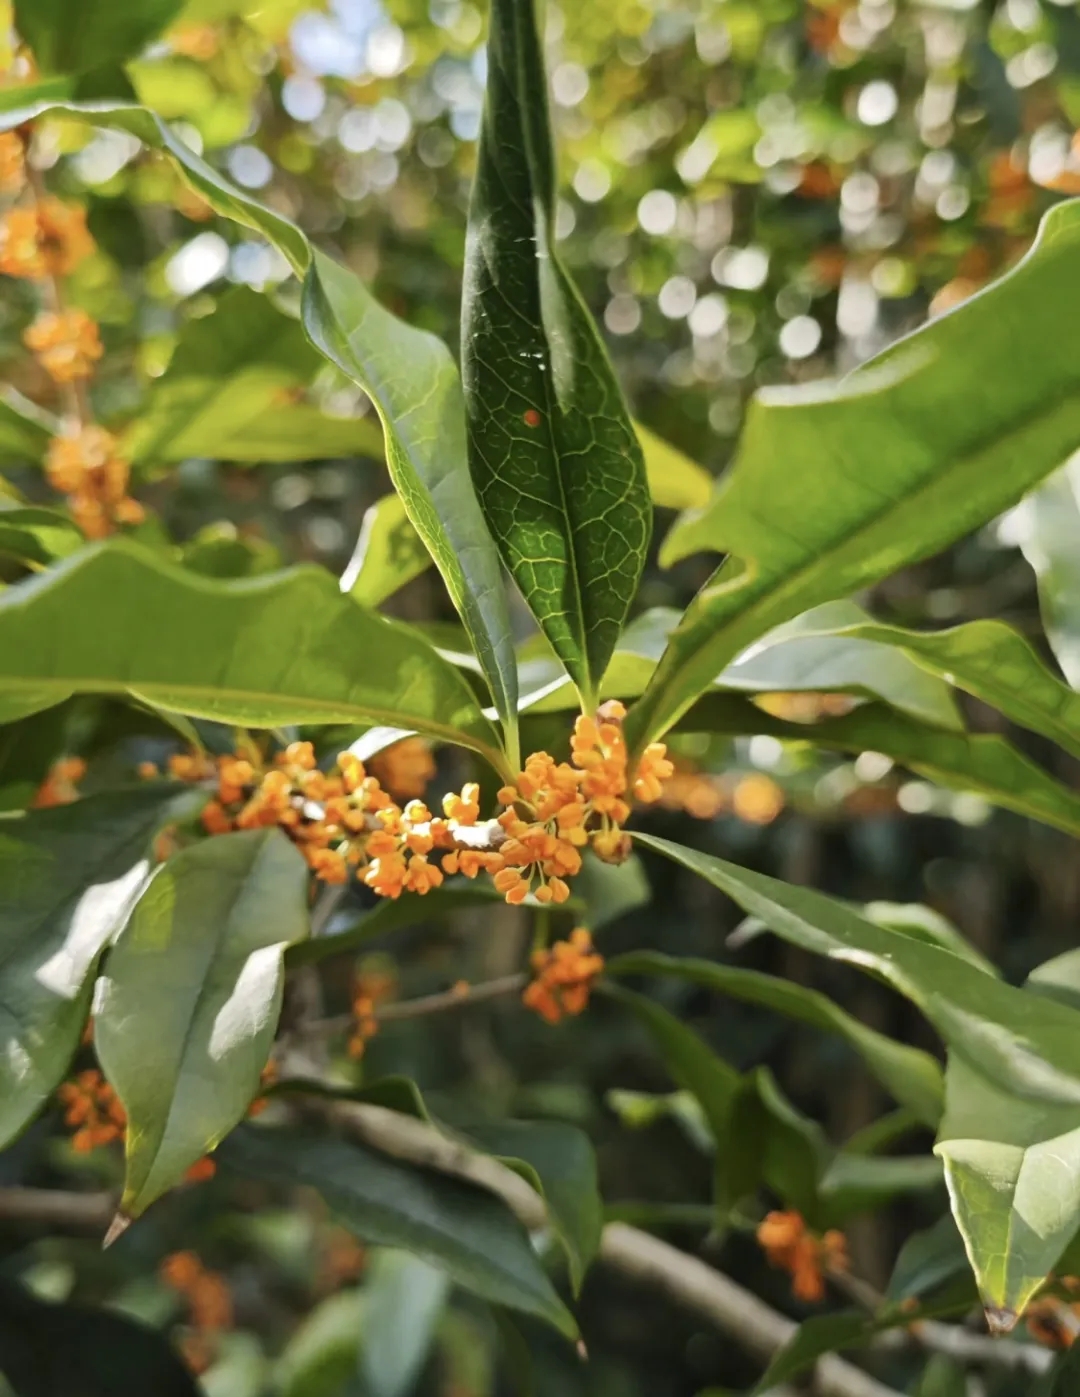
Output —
(388, 553)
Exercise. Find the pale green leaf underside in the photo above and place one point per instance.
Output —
(836, 486)
(553, 454)
(1047, 527)
(261, 652)
(425, 433)
(190, 999)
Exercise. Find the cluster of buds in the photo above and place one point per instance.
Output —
(345, 820)
(43, 239)
(1054, 1320)
(209, 1306)
(808, 1257)
(372, 988)
(563, 977)
(61, 785)
(93, 1110)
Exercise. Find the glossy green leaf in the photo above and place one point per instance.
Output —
(979, 762)
(471, 1234)
(425, 444)
(1046, 524)
(190, 996)
(403, 1299)
(558, 1161)
(388, 553)
(553, 454)
(37, 536)
(78, 36)
(51, 1350)
(995, 663)
(264, 651)
(909, 1074)
(675, 482)
(70, 875)
(836, 486)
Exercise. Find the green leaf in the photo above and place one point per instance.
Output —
(553, 454)
(425, 442)
(996, 664)
(1062, 1380)
(321, 1356)
(25, 428)
(404, 1297)
(980, 762)
(70, 875)
(836, 486)
(388, 553)
(264, 651)
(37, 536)
(27, 750)
(909, 1074)
(915, 919)
(675, 482)
(190, 997)
(299, 432)
(558, 1161)
(928, 1260)
(815, 1337)
(471, 1234)
(77, 36)
(1046, 524)
(1058, 978)
(48, 1350)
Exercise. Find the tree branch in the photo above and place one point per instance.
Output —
(57, 1210)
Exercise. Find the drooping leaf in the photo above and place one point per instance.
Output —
(50, 1350)
(425, 445)
(675, 482)
(471, 1234)
(911, 1075)
(404, 1297)
(995, 663)
(264, 651)
(1047, 527)
(37, 536)
(79, 36)
(553, 454)
(190, 997)
(837, 486)
(558, 1161)
(388, 553)
(979, 762)
(70, 875)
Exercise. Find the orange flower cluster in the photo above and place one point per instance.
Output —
(1053, 1320)
(568, 805)
(404, 769)
(66, 344)
(46, 239)
(12, 163)
(789, 1244)
(372, 988)
(345, 819)
(87, 467)
(563, 977)
(94, 1109)
(209, 1305)
(61, 786)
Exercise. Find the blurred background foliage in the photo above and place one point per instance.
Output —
(753, 193)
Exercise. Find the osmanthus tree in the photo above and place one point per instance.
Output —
(158, 925)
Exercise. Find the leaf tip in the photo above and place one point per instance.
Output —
(1000, 1321)
(119, 1225)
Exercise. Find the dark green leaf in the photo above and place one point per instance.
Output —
(559, 1162)
(77, 36)
(469, 1233)
(912, 1076)
(813, 1338)
(553, 454)
(190, 997)
(836, 487)
(264, 651)
(27, 750)
(49, 1350)
(70, 875)
(928, 1260)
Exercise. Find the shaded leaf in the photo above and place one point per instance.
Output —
(1046, 524)
(49, 1350)
(911, 1075)
(322, 1354)
(27, 750)
(70, 875)
(264, 651)
(556, 464)
(403, 1299)
(388, 553)
(189, 1000)
(814, 1337)
(78, 36)
(836, 486)
(38, 536)
(928, 1260)
(471, 1234)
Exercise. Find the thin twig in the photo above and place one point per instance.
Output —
(430, 1003)
(56, 1209)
